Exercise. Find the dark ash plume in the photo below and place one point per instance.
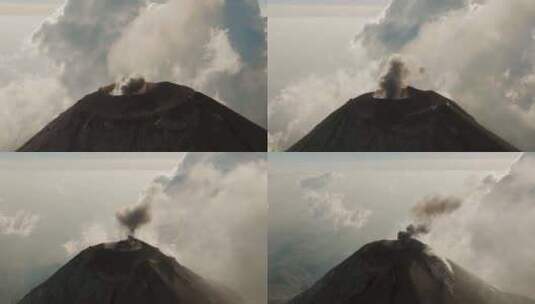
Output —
(415, 230)
(426, 211)
(435, 206)
(392, 84)
(134, 217)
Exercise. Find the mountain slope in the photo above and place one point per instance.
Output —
(401, 272)
(167, 117)
(128, 272)
(423, 122)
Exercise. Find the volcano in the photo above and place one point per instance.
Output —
(127, 272)
(402, 271)
(161, 117)
(424, 121)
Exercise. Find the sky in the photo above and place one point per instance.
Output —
(325, 206)
(322, 8)
(209, 212)
(328, 2)
(30, 1)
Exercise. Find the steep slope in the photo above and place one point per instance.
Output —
(423, 122)
(167, 117)
(128, 272)
(402, 272)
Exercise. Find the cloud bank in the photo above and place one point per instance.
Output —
(27, 106)
(225, 56)
(402, 21)
(218, 202)
(491, 234)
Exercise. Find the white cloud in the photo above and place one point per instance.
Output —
(79, 36)
(302, 105)
(331, 207)
(490, 76)
(92, 235)
(402, 21)
(216, 215)
(492, 233)
(28, 105)
(22, 223)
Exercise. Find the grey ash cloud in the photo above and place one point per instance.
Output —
(393, 84)
(133, 218)
(427, 210)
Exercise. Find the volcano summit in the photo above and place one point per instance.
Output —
(402, 271)
(148, 117)
(127, 272)
(420, 121)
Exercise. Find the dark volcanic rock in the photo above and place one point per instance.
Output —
(128, 272)
(167, 117)
(402, 272)
(423, 122)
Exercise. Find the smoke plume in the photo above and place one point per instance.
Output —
(435, 206)
(414, 230)
(134, 217)
(393, 83)
(427, 210)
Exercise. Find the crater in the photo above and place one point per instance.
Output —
(129, 87)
